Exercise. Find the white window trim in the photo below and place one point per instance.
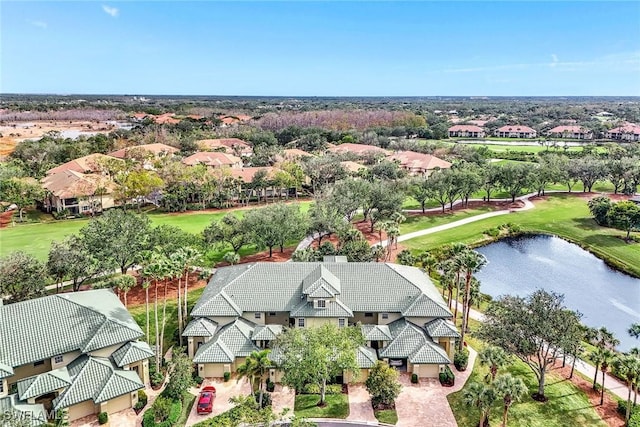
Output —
(301, 322)
(342, 322)
(321, 303)
(60, 356)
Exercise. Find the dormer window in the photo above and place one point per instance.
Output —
(321, 303)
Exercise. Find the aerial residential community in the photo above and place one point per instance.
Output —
(222, 214)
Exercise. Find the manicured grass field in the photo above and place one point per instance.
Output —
(567, 404)
(36, 238)
(387, 416)
(419, 222)
(566, 216)
(337, 406)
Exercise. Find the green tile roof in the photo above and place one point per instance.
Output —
(231, 341)
(33, 412)
(376, 332)
(411, 342)
(79, 321)
(200, 327)
(367, 357)
(266, 332)
(47, 382)
(363, 287)
(96, 379)
(333, 309)
(276, 355)
(441, 328)
(132, 352)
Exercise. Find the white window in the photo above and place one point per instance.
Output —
(341, 323)
(1, 386)
(58, 359)
(385, 315)
(86, 208)
(257, 315)
(321, 303)
(301, 322)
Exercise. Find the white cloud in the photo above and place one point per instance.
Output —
(554, 60)
(112, 11)
(39, 24)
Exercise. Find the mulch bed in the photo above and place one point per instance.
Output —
(608, 411)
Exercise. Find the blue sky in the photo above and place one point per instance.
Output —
(321, 48)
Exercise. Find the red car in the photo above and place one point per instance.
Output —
(205, 401)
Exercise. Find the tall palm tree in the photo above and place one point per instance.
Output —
(262, 364)
(511, 389)
(601, 338)
(474, 297)
(628, 366)
(154, 271)
(192, 255)
(179, 259)
(248, 370)
(607, 358)
(457, 250)
(471, 262)
(170, 271)
(495, 358)
(482, 397)
(634, 330)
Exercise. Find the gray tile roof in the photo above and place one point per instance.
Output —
(63, 323)
(333, 309)
(441, 328)
(318, 278)
(364, 287)
(266, 332)
(276, 355)
(200, 327)
(231, 341)
(5, 371)
(47, 382)
(376, 332)
(411, 342)
(33, 412)
(96, 379)
(132, 352)
(367, 357)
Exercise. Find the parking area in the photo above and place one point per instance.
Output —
(224, 391)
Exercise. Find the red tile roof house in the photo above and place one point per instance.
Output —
(418, 163)
(234, 146)
(78, 192)
(573, 132)
(157, 149)
(358, 149)
(515, 131)
(466, 131)
(628, 132)
(213, 159)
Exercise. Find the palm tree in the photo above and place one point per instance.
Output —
(154, 271)
(474, 297)
(471, 262)
(495, 358)
(171, 270)
(511, 389)
(125, 283)
(608, 356)
(192, 255)
(628, 367)
(634, 330)
(179, 258)
(482, 397)
(601, 338)
(428, 262)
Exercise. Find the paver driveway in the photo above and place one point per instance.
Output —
(425, 404)
(283, 397)
(360, 404)
(224, 391)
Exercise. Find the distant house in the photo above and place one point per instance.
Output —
(418, 163)
(466, 131)
(234, 146)
(86, 164)
(294, 154)
(213, 159)
(573, 132)
(157, 150)
(230, 120)
(353, 168)
(358, 149)
(515, 131)
(628, 132)
(78, 351)
(77, 192)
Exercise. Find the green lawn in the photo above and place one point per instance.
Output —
(387, 416)
(337, 406)
(36, 238)
(419, 222)
(562, 215)
(567, 404)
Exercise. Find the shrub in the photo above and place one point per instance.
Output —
(103, 418)
(414, 378)
(227, 375)
(156, 378)
(266, 398)
(315, 389)
(142, 397)
(198, 380)
(460, 359)
(163, 413)
(139, 405)
(63, 214)
(446, 377)
(493, 232)
(634, 421)
(270, 385)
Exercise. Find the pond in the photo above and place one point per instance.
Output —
(604, 296)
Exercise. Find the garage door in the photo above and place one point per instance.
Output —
(82, 410)
(212, 370)
(119, 403)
